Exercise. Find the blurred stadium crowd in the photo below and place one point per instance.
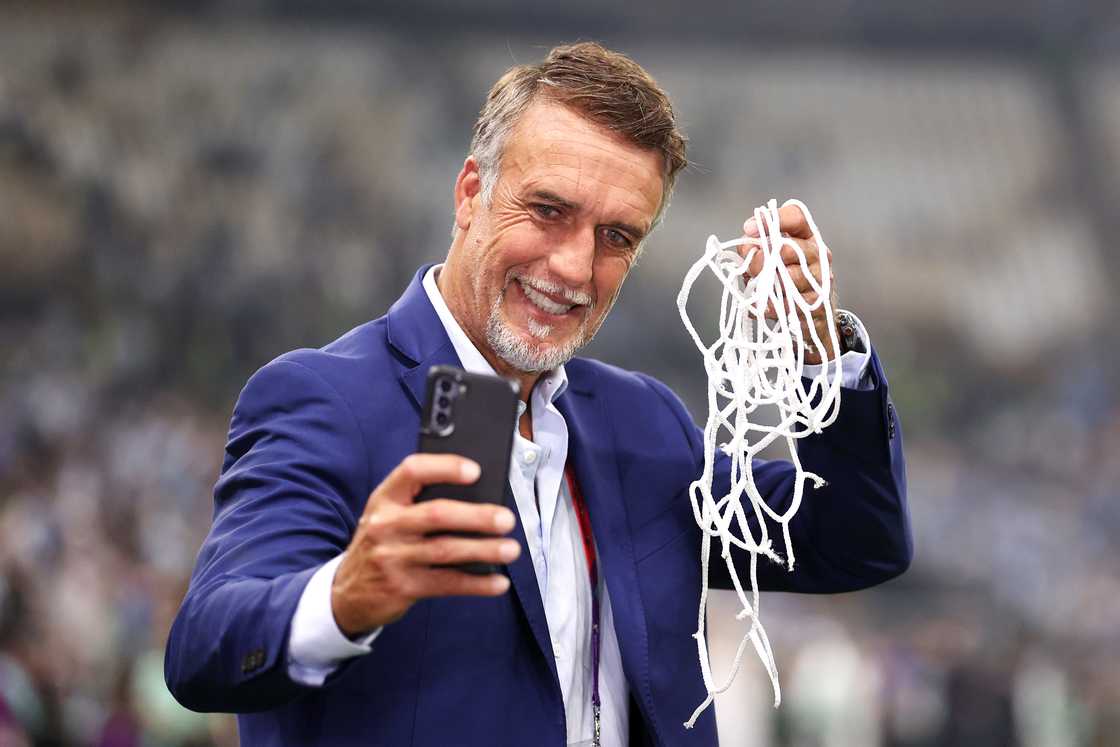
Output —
(180, 203)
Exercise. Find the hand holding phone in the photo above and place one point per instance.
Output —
(474, 416)
(402, 547)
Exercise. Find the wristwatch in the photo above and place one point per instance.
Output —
(850, 338)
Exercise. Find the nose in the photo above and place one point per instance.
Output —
(572, 260)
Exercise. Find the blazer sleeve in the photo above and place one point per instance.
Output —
(295, 465)
(853, 532)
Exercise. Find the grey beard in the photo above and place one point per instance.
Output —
(524, 356)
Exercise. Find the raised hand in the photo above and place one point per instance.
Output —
(389, 563)
(795, 227)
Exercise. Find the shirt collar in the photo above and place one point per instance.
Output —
(551, 384)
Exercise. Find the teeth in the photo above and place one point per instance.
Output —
(543, 302)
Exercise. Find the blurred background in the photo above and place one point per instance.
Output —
(189, 189)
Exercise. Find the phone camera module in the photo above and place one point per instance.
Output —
(440, 421)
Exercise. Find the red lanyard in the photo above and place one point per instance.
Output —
(584, 526)
(584, 520)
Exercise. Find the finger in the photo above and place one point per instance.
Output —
(754, 266)
(802, 281)
(794, 249)
(810, 298)
(751, 234)
(799, 305)
(418, 470)
(755, 255)
(446, 582)
(445, 515)
(455, 550)
(792, 221)
(752, 252)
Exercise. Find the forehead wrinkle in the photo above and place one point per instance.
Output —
(630, 162)
(559, 124)
(609, 174)
(538, 184)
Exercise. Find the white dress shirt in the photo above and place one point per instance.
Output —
(544, 505)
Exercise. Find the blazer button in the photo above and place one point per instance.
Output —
(252, 661)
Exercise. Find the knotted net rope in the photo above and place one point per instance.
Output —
(756, 362)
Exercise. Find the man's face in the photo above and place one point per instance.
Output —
(540, 266)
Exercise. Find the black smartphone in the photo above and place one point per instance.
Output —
(474, 416)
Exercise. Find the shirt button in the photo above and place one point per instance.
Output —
(530, 457)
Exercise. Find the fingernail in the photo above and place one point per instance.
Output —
(509, 550)
(470, 470)
(500, 584)
(750, 228)
(503, 520)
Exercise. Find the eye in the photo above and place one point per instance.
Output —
(616, 238)
(545, 210)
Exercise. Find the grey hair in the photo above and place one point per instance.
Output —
(606, 87)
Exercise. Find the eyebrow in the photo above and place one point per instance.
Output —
(547, 196)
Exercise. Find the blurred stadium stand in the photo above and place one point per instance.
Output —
(188, 190)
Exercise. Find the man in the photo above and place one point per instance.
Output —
(317, 609)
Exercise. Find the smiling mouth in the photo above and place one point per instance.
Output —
(544, 302)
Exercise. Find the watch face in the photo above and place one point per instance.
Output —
(850, 339)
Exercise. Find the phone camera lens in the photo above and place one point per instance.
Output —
(441, 418)
(444, 402)
(444, 386)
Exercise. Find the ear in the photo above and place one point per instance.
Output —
(468, 186)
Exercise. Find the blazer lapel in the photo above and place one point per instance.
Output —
(591, 454)
(415, 331)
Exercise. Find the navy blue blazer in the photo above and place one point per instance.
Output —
(314, 431)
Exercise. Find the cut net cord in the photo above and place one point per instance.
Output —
(757, 361)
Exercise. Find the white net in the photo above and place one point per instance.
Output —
(757, 361)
